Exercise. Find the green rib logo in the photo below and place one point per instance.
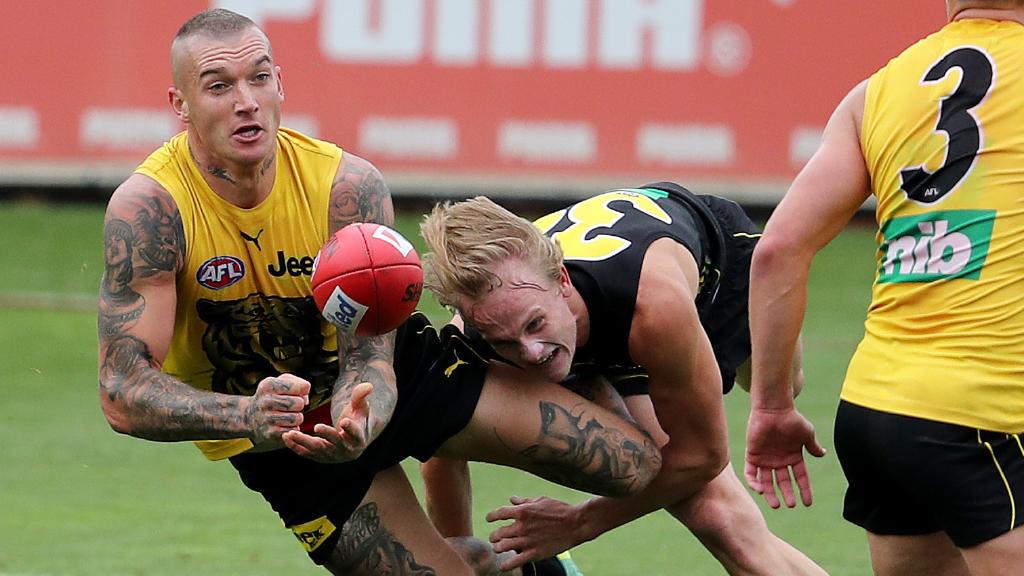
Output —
(936, 246)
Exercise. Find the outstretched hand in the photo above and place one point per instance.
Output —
(776, 440)
(541, 527)
(341, 443)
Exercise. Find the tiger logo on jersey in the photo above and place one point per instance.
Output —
(257, 336)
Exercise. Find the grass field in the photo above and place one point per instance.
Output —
(79, 499)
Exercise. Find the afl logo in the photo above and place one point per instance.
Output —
(220, 272)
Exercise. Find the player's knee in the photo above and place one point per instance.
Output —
(478, 554)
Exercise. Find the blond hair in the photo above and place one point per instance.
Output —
(466, 240)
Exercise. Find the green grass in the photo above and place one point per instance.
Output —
(80, 499)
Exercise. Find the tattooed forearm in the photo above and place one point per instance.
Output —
(366, 548)
(158, 406)
(368, 360)
(584, 454)
(359, 194)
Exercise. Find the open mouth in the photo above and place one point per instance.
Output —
(248, 132)
(545, 360)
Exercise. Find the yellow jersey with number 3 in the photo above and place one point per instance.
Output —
(943, 139)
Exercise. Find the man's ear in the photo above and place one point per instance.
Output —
(564, 282)
(178, 104)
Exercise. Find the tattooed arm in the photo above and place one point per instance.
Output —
(366, 392)
(143, 250)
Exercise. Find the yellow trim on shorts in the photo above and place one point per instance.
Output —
(313, 533)
(1006, 483)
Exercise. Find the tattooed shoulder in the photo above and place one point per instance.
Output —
(142, 238)
(359, 194)
(143, 219)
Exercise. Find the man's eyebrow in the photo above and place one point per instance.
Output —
(500, 341)
(265, 59)
(211, 72)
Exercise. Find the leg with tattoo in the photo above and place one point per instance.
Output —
(554, 433)
(389, 534)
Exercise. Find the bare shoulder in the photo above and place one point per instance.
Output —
(669, 281)
(144, 217)
(668, 265)
(359, 194)
(851, 107)
(666, 336)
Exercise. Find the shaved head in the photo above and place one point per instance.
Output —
(217, 23)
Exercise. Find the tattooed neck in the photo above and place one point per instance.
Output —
(221, 173)
(267, 164)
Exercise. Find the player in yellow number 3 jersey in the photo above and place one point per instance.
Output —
(928, 427)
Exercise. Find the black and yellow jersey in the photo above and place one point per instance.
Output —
(245, 309)
(604, 240)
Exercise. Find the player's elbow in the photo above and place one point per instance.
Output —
(696, 466)
(777, 254)
(114, 411)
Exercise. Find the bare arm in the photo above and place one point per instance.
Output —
(667, 339)
(366, 392)
(449, 495)
(822, 199)
(143, 250)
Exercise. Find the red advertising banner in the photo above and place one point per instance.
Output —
(494, 91)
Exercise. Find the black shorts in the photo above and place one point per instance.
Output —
(726, 321)
(435, 401)
(909, 476)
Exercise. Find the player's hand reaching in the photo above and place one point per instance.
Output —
(541, 527)
(776, 440)
(276, 408)
(341, 443)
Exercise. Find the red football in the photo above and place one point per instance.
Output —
(367, 279)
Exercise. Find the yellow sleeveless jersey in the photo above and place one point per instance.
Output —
(943, 136)
(245, 309)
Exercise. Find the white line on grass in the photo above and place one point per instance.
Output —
(50, 301)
